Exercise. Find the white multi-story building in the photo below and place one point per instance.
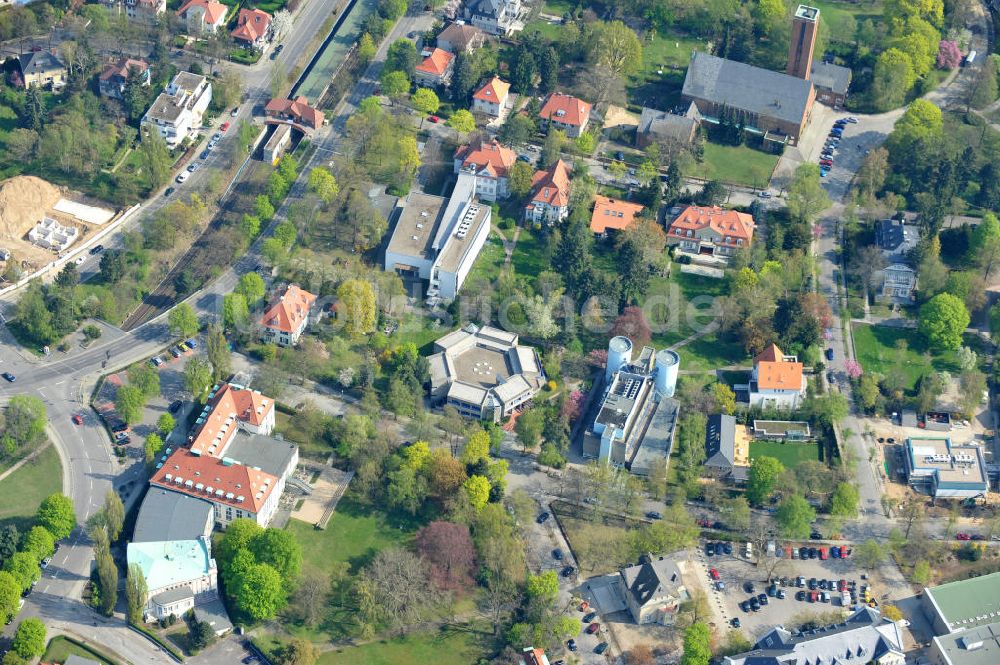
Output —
(178, 111)
(777, 380)
(286, 318)
(491, 163)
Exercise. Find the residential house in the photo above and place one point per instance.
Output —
(491, 98)
(203, 16)
(533, 656)
(495, 17)
(178, 574)
(253, 29)
(437, 239)
(727, 448)
(435, 69)
(865, 637)
(613, 214)
(831, 82)
(111, 82)
(297, 111)
(286, 318)
(177, 112)
(490, 162)
(484, 373)
(777, 380)
(710, 231)
(898, 241)
(460, 37)
(565, 112)
(662, 126)
(653, 590)
(44, 69)
(772, 105)
(550, 195)
(145, 10)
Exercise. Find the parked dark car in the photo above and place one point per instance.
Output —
(10, 377)
(800, 595)
(754, 605)
(590, 616)
(762, 598)
(829, 354)
(119, 426)
(803, 552)
(735, 622)
(653, 515)
(542, 518)
(571, 645)
(816, 535)
(557, 554)
(175, 406)
(709, 549)
(567, 571)
(748, 587)
(719, 549)
(727, 548)
(601, 648)
(97, 249)
(745, 606)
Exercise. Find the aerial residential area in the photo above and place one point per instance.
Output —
(499, 332)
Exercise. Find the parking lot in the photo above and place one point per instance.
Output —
(735, 570)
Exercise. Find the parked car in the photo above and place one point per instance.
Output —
(567, 571)
(224, 126)
(541, 519)
(589, 617)
(754, 604)
(190, 342)
(653, 515)
(193, 166)
(45, 562)
(709, 549)
(800, 595)
(713, 573)
(434, 119)
(571, 645)
(183, 176)
(745, 605)
(748, 587)
(175, 406)
(601, 648)
(593, 628)
(557, 554)
(720, 549)
(762, 598)
(764, 194)
(735, 622)
(962, 536)
(77, 418)
(727, 548)
(816, 535)
(829, 354)
(720, 586)
(97, 249)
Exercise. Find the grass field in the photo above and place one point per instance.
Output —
(489, 263)
(789, 454)
(664, 61)
(22, 491)
(457, 644)
(558, 7)
(60, 649)
(549, 31)
(529, 257)
(842, 17)
(735, 164)
(877, 351)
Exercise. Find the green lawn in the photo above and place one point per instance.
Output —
(458, 645)
(877, 351)
(558, 7)
(60, 649)
(529, 257)
(842, 17)
(664, 61)
(418, 330)
(549, 31)
(355, 533)
(489, 263)
(735, 164)
(22, 491)
(789, 454)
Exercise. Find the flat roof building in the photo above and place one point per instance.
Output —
(167, 515)
(964, 604)
(976, 646)
(484, 372)
(941, 469)
(437, 239)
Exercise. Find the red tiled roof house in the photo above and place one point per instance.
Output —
(612, 214)
(711, 231)
(491, 98)
(295, 110)
(202, 16)
(286, 318)
(565, 112)
(112, 80)
(253, 29)
(777, 380)
(550, 195)
(435, 69)
(491, 163)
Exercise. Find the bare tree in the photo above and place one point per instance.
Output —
(310, 600)
(395, 589)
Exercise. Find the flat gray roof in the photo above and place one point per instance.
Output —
(658, 438)
(264, 452)
(165, 108)
(416, 225)
(748, 88)
(830, 76)
(975, 646)
(456, 248)
(167, 515)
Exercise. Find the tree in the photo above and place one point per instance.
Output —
(10, 594)
(892, 78)
(984, 91)
(555, 140)
(280, 550)
(366, 48)
(921, 572)
(845, 501)
(219, 353)
(972, 387)
(57, 515)
(252, 288)
(725, 398)
(357, 306)
(949, 56)
(519, 179)
(448, 549)
(323, 184)
(144, 377)
(425, 100)
(39, 542)
(529, 428)
(806, 197)
(202, 634)
(393, 588)
(239, 536)
(619, 49)
(795, 517)
(402, 57)
(135, 593)
(943, 320)
(24, 420)
(24, 567)
(198, 377)
(29, 639)
(9, 540)
(113, 512)
(477, 448)
(462, 121)
(763, 476)
(129, 402)
(712, 193)
(395, 84)
(869, 554)
(516, 130)
(165, 424)
(477, 490)
(632, 324)
(984, 248)
(891, 612)
(259, 593)
(263, 209)
(182, 320)
(107, 582)
(298, 651)
(697, 648)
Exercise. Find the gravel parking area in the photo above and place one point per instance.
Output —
(735, 571)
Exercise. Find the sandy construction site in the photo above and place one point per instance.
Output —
(39, 221)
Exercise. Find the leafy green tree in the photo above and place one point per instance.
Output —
(280, 550)
(259, 592)
(263, 208)
(795, 517)
(462, 121)
(144, 377)
(129, 402)
(763, 475)
(529, 428)
(519, 179)
(869, 554)
(697, 647)
(219, 353)
(516, 130)
(477, 489)
(323, 184)
(10, 594)
(845, 501)
(165, 424)
(806, 197)
(112, 266)
(402, 57)
(251, 287)
(107, 582)
(198, 377)
(250, 225)
(984, 247)
(357, 306)
(29, 638)
(619, 49)
(921, 572)
(425, 100)
(24, 567)
(366, 48)
(984, 91)
(942, 321)
(395, 84)
(40, 542)
(24, 420)
(182, 320)
(56, 514)
(892, 78)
